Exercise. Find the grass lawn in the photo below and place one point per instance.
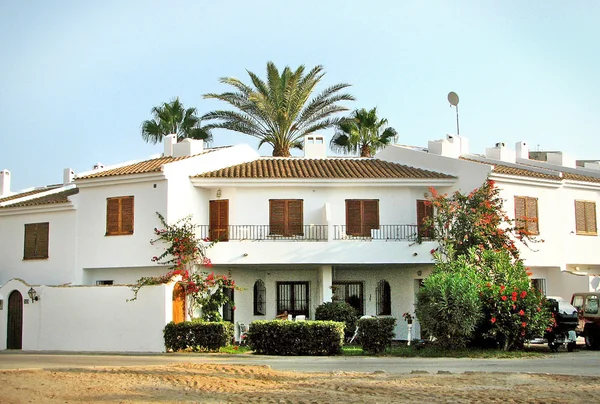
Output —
(404, 351)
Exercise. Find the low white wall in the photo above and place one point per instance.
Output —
(92, 318)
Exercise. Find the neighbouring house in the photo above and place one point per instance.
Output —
(293, 232)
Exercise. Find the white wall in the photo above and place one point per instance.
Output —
(92, 318)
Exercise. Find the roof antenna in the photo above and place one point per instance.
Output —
(453, 100)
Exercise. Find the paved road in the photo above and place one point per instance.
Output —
(581, 362)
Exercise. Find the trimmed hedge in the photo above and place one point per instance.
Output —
(376, 333)
(197, 335)
(277, 337)
(338, 311)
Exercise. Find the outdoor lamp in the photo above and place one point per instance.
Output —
(33, 295)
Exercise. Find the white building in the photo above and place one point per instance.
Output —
(293, 232)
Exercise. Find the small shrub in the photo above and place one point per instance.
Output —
(278, 337)
(376, 333)
(197, 335)
(338, 311)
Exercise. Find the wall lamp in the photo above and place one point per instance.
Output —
(33, 295)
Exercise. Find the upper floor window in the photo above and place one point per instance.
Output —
(526, 214)
(425, 218)
(36, 241)
(286, 217)
(384, 298)
(362, 215)
(260, 299)
(585, 217)
(119, 215)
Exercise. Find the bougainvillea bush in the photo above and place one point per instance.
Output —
(184, 252)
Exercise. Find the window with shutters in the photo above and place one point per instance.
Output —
(362, 216)
(260, 298)
(351, 293)
(219, 220)
(526, 214)
(286, 217)
(36, 241)
(119, 216)
(292, 297)
(384, 298)
(425, 218)
(585, 218)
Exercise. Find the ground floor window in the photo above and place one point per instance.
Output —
(293, 297)
(260, 293)
(228, 308)
(351, 293)
(384, 298)
(539, 284)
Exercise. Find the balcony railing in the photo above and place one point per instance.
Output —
(391, 232)
(310, 232)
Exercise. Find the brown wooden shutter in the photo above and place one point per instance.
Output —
(219, 220)
(531, 207)
(36, 240)
(29, 242)
(43, 231)
(590, 217)
(295, 219)
(424, 214)
(580, 221)
(353, 217)
(127, 215)
(277, 223)
(520, 209)
(112, 215)
(370, 216)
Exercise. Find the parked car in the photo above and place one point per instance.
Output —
(587, 304)
(566, 323)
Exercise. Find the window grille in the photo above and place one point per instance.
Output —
(384, 301)
(260, 293)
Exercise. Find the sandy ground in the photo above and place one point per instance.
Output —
(206, 383)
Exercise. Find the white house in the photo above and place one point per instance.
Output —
(293, 232)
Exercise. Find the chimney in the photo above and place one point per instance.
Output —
(315, 147)
(522, 149)
(560, 159)
(68, 175)
(187, 147)
(169, 141)
(501, 152)
(592, 165)
(98, 166)
(4, 183)
(453, 146)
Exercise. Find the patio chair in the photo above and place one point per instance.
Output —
(243, 331)
(300, 317)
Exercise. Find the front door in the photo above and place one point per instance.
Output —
(219, 220)
(178, 303)
(14, 338)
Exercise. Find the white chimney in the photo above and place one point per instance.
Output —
(453, 146)
(501, 152)
(98, 166)
(592, 165)
(560, 159)
(68, 175)
(315, 147)
(169, 141)
(187, 147)
(522, 149)
(4, 183)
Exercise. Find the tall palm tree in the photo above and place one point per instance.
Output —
(278, 111)
(170, 118)
(362, 132)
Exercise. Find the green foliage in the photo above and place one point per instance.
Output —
(435, 351)
(279, 337)
(197, 336)
(448, 305)
(278, 111)
(338, 311)
(376, 333)
(173, 118)
(363, 132)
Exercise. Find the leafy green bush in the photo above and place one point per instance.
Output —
(197, 335)
(376, 333)
(338, 311)
(277, 337)
(448, 305)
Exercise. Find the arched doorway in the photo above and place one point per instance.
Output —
(14, 337)
(178, 303)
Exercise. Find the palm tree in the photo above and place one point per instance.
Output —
(363, 132)
(170, 118)
(278, 111)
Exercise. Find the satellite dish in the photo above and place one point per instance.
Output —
(453, 98)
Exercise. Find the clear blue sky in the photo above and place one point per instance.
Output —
(78, 77)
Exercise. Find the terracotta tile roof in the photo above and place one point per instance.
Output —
(27, 193)
(580, 177)
(518, 171)
(343, 168)
(147, 166)
(59, 197)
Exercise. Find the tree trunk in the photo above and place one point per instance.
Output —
(281, 151)
(365, 151)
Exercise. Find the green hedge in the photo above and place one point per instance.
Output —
(338, 311)
(197, 335)
(279, 337)
(376, 333)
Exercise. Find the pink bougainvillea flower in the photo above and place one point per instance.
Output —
(493, 320)
(504, 298)
(523, 324)
(502, 287)
(521, 313)
(523, 294)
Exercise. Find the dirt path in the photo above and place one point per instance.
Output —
(206, 383)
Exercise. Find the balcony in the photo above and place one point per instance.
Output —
(312, 232)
